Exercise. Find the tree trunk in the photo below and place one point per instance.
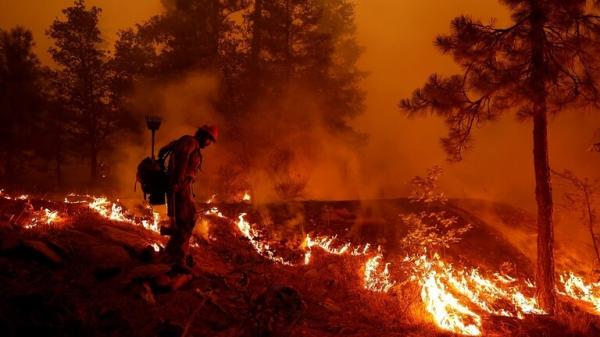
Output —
(543, 193)
(545, 277)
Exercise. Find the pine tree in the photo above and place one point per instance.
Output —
(191, 34)
(542, 63)
(21, 101)
(84, 78)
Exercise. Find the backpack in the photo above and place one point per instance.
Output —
(153, 178)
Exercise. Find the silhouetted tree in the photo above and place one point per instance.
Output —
(310, 44)
(84, 78)
(21, 101)
(190, 34)
(333, 72)
(581, 198)
(542, 63)
(134, 61)
(54, 144)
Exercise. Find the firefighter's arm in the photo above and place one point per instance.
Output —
(165, 150)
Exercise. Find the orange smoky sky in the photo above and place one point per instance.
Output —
(399, 56)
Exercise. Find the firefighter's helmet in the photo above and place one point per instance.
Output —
(210, 131)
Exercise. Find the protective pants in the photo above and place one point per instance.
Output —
(181, 209)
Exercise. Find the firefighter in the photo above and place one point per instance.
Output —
(185, 159)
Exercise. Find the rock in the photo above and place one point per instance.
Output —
(92, 250)
(42, 250)
(330, 305)
(123, 237)
(108, 256)
(276, 310)
(179, 280)
(162, 283)
(148, 271)
(147, 294)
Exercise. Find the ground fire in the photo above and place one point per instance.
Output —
(455, 298)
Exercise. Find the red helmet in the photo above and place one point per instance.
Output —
(210, 131)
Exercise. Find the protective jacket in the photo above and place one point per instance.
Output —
(185, 160)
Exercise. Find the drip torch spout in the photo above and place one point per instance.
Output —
(153, 123)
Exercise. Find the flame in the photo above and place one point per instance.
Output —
(8, 197)
(246, 196)
(51, 216)
(253, 236)
(326, 244)
(114, 212)
(108, 209)
(456, 298)
(153, 225)
(450, 295)
(377, 279)
(44, 216)
(577, 289)
(214, 211)
(157, 247)
(447, 312)
(442, 285)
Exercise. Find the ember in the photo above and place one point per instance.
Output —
(44, 217)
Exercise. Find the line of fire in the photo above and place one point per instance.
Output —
(256, 168)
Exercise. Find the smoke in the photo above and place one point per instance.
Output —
(283, 150)
(183, 105)
(399, 55)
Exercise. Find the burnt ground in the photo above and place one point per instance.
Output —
(93, 277)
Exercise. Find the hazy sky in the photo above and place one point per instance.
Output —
(397, 35)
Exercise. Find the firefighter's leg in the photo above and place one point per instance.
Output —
(178, 246)
(187, 229)
(173, 249)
